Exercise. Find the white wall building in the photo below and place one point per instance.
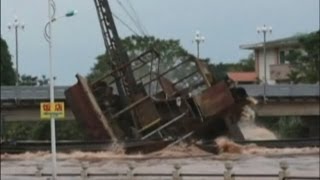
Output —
(277, 67)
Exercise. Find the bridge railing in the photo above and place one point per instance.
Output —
(177, 174)
(42, 92)
(31, 92)
(284, 90)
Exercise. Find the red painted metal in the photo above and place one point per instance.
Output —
(214, 99)
(81, 101)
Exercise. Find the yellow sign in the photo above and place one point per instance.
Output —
(56, 110)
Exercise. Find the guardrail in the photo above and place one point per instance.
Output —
(176, 174)
(42, 92)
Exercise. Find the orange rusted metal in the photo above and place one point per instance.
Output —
(214, 99)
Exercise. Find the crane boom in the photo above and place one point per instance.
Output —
(113, 45)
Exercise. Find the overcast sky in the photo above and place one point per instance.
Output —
(226, 24)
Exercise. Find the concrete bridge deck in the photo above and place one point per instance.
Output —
(272, 91)
(22, 102)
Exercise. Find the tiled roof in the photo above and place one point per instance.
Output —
(243, 76)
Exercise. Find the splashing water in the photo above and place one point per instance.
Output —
(226, 145)
(250, 130)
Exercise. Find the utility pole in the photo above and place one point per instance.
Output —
(264, 29)
(16, 25)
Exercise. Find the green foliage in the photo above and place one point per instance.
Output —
(219, 70)
(17, 131)
(8, 77)
(43, 81)
(40, 130)
(306, 66)
(291, 127)
(285, 127)
(7, 71)
(244, 65)
(170, 52)
(29, 80)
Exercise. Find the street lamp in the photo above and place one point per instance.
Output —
(16, 25)
(48, 37)
(199, 39)
(264, 29)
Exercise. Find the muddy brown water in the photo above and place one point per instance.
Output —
(245, 158)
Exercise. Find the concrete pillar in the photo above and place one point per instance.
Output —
(228, 172)
(84, 171)
(130, 174)
(39, 170)
(176, 172)
(283, 173)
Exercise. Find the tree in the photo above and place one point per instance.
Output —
(28, 80)
(43, 81)
(220, 70)
(306, 65)
(7, 71)
(170, 52)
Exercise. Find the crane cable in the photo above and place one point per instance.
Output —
(125, 24)
(137, 17)
(132, 19)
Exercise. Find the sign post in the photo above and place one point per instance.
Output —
(51, 111)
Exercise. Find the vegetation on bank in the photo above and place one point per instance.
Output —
(40, 130)
(283, 127)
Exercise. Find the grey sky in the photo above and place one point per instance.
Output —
(77, 41)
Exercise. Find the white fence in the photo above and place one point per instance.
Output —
(228, 174)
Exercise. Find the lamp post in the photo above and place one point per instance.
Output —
(16, 25)
(199, 39)
(264, 29)
(48, 37)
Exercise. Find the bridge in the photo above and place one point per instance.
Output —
(22, 102)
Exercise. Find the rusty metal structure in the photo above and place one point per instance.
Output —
(153, 105)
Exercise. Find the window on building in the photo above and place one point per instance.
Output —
(282, 57)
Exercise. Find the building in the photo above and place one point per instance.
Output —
(243, 77)
(277, 66)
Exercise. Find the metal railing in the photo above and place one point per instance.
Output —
(176, 174)
(42, 92)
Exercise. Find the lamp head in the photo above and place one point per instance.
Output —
(71, 13)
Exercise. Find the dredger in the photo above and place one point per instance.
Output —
(122, 106)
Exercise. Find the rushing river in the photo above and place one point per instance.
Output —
(245, 159)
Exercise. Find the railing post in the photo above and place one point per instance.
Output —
(228, 175)
(84, 171)
(130, 174)
(39, 169)
(176, 172)
(283, 173)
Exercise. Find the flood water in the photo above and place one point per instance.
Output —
(246, 159)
